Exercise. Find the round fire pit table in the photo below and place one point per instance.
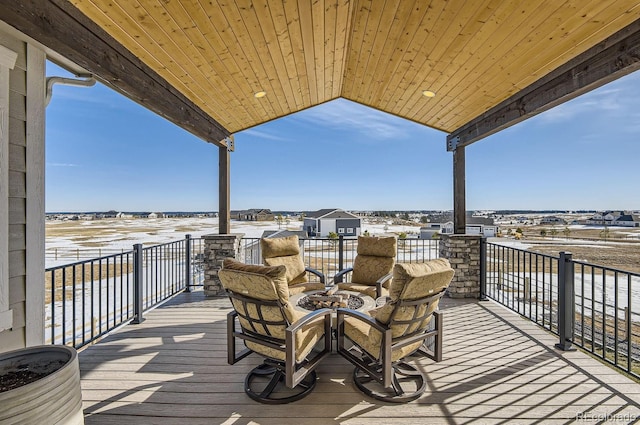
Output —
(357, 301)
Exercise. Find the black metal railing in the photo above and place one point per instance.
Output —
(525, 282)
(90, 298)
(85, 300)
(590, 306)
(607, 314)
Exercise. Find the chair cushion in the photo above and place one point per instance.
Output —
(294, 266)
(377, 246)
(367, 269)
(279, 247)
(405, 273)
(256, 281)
(370, 339)
(285, 252)
(376, 257)
(269, 284)
(305, 287)
(414, 281)
(306, 339)
(410, 282)
(369, 290)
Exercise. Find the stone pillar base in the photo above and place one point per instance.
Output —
(463, 252)
(216, 249)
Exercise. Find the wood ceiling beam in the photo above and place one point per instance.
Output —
(609, 60)
(59, 26)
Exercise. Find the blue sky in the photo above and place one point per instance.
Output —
(106, 152)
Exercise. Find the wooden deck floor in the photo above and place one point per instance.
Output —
(498, 369)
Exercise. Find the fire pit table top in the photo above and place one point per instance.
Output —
(301, 301)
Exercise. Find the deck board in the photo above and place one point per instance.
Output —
(497, 368)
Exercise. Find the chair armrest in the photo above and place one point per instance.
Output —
(317, 273)
(294, 371)
(380, 282)
(295, 326)
(361, 317)
(338, 277)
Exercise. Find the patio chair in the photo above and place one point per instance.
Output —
(285, 251)
(372, 267)
(384, 338)
(291, 342)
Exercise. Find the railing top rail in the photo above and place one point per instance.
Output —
(178, 242)
(527, 251)
(90, 260)
(578, 262)
(606, 268)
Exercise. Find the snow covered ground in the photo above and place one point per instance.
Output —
(67, 241)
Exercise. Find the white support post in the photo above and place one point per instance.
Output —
(7, 62)
(35, 211)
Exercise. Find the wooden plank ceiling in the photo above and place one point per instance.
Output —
(380, 53)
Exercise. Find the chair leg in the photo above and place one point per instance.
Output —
(266, 384)
(408, 383)
(434, 353)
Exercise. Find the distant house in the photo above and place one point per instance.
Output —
(627, 220)
(108, 214)
(443, 224)
(614, 218)
(284, 233)
(155, 215)
(322, 222)
(253, 214)
(552, 219)
(486, 230)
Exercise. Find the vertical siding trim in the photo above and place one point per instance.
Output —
(35, 228)
(7, 62)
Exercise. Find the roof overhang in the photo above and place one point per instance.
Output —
(490, 64)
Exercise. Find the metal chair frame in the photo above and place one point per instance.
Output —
(382, 369)
(291, 372)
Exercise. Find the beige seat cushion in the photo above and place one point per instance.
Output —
(261, 282)
(376, 257)
(369, 290)
(305, 287)
(414, 281)
(404, 273)
(306, 339)
(285, 251)
(378, 246)
(410, 282)
(268, 284)
(370, 339)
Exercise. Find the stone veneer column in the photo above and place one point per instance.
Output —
(463, 252)
(216, 249)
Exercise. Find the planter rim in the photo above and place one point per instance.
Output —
(64, 349)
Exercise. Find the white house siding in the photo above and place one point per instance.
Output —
(25, 198)
(626, 223)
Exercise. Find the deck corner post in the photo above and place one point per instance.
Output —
(340, 255)
(459, 193)
(566, 302)
(137, 285)
(224, 193)
(483, 269)
(187, 267)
